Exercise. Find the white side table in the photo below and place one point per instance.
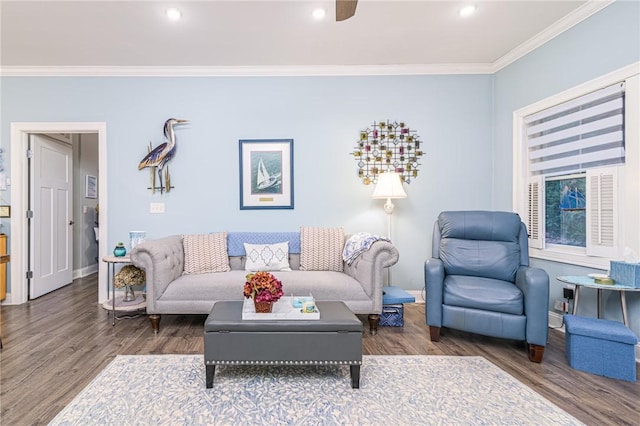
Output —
(585, 281)
(111, 275)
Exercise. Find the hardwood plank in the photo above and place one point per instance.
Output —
(58, 343)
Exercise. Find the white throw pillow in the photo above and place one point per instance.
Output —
(267, 257)
(321, 249)
(205, 253)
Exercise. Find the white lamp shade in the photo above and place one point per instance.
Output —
(389, 186)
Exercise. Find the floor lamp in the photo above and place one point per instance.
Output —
(389, 186)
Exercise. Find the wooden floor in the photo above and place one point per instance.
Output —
(55, 345)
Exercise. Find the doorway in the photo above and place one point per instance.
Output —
(19, 201)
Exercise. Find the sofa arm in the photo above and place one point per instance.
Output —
(434, 286)
(368, 269)
(534, 284)
(163, 261)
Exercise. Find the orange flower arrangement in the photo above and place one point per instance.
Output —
(263, 287)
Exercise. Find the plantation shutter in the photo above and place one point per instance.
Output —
(602, 212)
(535, 220)
(574, 136)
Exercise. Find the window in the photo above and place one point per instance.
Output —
(565, 208)
(575, 157)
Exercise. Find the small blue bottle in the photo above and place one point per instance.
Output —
(120, 250)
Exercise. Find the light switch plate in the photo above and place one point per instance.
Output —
(156, 208)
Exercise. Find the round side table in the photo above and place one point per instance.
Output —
(112, 261)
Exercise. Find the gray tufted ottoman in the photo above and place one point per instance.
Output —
(336, 338)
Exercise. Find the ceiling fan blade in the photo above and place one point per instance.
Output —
(345, 9)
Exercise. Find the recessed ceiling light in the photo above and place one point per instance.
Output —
(319, 14)
(174, 14)
(468, 10)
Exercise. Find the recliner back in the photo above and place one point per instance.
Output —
(481, 243)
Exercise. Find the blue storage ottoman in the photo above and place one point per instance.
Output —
(600, 347)
(392, 306)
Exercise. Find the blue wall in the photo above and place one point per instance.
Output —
(464, 120)
(603, 43)
(323, 115)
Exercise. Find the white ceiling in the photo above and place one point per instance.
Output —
(418, 35)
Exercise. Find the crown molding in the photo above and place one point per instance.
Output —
(242, 71)
(585, 11)
(580, 14)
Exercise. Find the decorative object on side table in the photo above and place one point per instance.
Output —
(120, 250)
(136, 237)
(264, 288)
(627, 273)
(158, 157)
(127, 277)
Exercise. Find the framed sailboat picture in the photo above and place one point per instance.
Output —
(266, 174)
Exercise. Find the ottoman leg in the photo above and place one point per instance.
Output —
(211, 371)
(355, 376)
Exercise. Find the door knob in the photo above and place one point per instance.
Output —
(71, 222)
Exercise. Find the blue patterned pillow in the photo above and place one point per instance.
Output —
(267, 257)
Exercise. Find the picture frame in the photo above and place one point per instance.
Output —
(266, 174)
(91, 187)
(5, 211)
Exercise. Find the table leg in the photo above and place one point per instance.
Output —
(210, 372)
(113, 292)
(599, 303)
(623, 302)
(575, 300)
(355, 376)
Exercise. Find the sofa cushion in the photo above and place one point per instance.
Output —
(267, 257)
(321, 249)
(322, 285)
(205, 253)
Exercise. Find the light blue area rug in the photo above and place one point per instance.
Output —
(400, 390)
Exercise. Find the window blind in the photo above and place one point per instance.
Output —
(579, 134)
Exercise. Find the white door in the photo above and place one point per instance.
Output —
(51, 231)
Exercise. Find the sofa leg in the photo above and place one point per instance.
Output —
(155, 322)
(434, 333)
(535, 353)
(374, 320)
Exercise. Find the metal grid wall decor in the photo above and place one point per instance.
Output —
(388, 146)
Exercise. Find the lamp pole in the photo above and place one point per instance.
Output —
(389, 186)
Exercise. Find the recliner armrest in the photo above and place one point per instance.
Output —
(534, 284)
(434, 285)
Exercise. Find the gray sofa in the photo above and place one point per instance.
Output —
(170, 291)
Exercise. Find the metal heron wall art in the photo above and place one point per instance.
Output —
(158, 157)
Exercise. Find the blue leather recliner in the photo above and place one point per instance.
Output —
(479, 280)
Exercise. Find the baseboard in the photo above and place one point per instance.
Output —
(556, 321)
(7, 300)
(81, 273)
(417, 294)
